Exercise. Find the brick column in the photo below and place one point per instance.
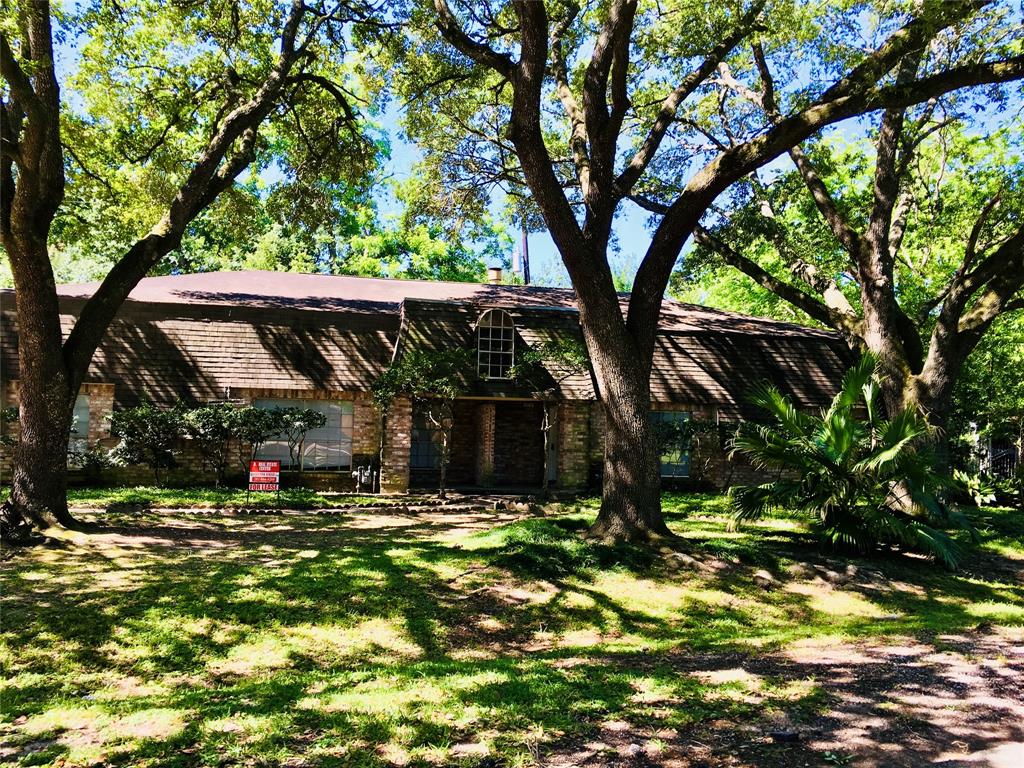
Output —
(365, 431)
(572, 432)
(485, 444)
(397, 444)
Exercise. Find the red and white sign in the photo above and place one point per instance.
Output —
(264, 475)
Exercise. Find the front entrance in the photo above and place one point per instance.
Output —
(518, 444)
(496, 443)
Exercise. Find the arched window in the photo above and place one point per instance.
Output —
(495, 342)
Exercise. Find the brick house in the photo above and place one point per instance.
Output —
(275, 339)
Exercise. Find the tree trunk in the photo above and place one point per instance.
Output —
(443, 473)
(631, 491)
(47, 396)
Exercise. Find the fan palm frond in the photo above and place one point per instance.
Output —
(863, 483)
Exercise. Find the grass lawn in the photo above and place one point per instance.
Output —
(377, 638)
(207, 498)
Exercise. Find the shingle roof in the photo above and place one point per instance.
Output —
(345, 293)
(194, 336)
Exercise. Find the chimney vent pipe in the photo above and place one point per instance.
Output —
(494, 275)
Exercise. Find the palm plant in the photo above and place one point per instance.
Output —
(863, 480)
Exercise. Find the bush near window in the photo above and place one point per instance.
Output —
(296, 423)
(253, 427)
(864, 482)
(432, 379)
(148, 435)
(211, 428)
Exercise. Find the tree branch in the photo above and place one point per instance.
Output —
(17, 80)
(450, 29)
(730, 166)
(827, 206)
(578, 140)
(642, 158)
(210, 175)
(331, 87)
(816, 309)
(913, 36)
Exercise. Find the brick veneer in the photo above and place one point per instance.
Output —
(101, 403)
(394, 476)
(493, 442)
(485, 444)
(572, 431)
(518, 444)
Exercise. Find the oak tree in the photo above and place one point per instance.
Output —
(591, 107)
(190, 95)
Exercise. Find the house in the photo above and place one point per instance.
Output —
(274, 339)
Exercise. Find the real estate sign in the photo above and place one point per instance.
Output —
(264, 475)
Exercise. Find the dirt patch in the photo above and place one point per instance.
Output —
(956, 702)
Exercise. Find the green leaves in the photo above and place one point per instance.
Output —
(148, 435)
(862, 484)
(426, 375)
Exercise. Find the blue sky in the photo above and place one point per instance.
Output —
(545, 264)
(632, 234)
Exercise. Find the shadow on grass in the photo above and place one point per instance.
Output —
(425, 639)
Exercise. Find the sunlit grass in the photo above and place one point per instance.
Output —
(208, 498)
(220, 639)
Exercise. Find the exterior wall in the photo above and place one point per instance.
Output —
(101, 404)
(494, 443)
(394, 472)
(572, 430)
(191, 469)
(710, 465)
(518, 444)
(485, 444)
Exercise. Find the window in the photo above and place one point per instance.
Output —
(325, 449)
(496, 336)
(425, 452)
(78, 440)
(669, 429)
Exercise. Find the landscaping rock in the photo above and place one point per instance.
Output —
(764, 579)
(800, 571)
(683, 560)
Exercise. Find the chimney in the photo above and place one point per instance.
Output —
(494, 275)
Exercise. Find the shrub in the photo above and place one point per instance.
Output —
(147, 436)
(211, 428)
(253, 427)
(863, 482)
(90, 459)
(295, 425)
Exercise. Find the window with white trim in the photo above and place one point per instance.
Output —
(326, 449)
(78, 440)
(675, 449)
(496, 338)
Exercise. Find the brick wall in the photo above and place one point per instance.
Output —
(485, 444)
(574, 445)
(710, 465)
(518, 444)
(497, 442)
(462, 458)
(101, 403)
(191, 469)
(394, 476)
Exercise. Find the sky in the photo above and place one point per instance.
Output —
(632, 234)
(545, 263)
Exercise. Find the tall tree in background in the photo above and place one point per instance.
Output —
(588, 108)
(196, 93)
(911, 249)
